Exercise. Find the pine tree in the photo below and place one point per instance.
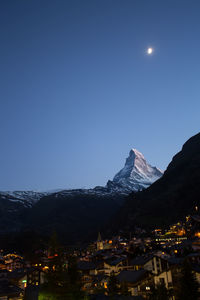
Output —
(188, 286)
(112, 285)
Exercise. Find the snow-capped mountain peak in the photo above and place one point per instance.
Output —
(135, 158)
(137, 173)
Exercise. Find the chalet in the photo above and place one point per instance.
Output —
(18, 277)
(34, 276)
(114, 265)
(13, 262)
(25, 277)
(100, 281)
(138, 282)
(164, 278)
(87, 270)
(152, 263)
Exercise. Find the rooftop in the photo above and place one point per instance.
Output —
(131, 276)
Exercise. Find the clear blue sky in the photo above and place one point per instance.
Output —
(77, 89)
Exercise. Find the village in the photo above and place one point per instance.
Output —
(127, 268)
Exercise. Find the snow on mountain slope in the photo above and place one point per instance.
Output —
(137, 174)
(28, 198)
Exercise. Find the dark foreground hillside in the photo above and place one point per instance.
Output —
(171, 197)
(75, 218)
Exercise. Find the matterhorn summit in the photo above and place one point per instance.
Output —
(137, 174)
(93, 205)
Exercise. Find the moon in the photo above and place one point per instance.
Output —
(149, 51)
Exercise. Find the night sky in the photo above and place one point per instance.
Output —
(78, 90)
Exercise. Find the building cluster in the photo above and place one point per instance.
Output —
(136, 265)
(17, 276)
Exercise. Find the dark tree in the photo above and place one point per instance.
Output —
(74, 278)
(159, 292)
(187, 288)
(124, 289)
(112, 285)
(62, 281)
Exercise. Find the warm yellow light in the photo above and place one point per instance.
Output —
(181, 232)
(197, 234)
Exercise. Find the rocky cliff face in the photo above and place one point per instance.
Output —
(137, 174)
(170, 198)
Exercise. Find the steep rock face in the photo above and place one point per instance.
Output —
(137, 174)
(170, 198)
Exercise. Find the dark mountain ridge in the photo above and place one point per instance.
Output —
(76, 218)
(78, 214)
(171, 197)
